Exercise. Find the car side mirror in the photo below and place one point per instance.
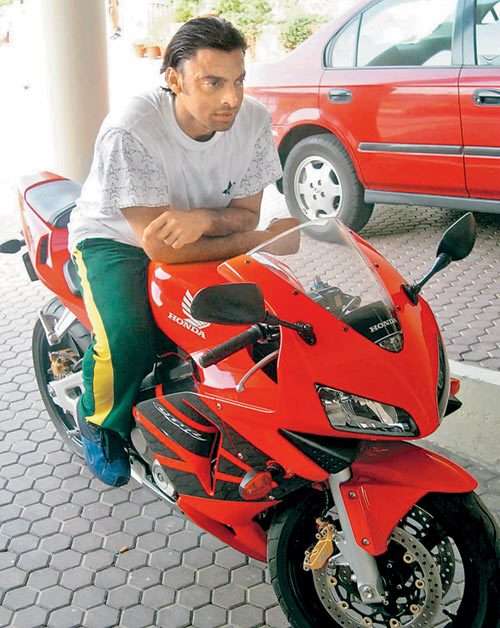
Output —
(229, 304)
(456, 243)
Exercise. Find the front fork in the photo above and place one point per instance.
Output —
(363, 564)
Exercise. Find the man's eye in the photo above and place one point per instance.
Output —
(213, 83)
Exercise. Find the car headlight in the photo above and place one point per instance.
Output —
(351, 413)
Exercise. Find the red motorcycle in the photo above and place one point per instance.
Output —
(280, 413)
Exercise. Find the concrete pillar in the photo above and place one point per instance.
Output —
(76, 80)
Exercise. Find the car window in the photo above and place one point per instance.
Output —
(407, 32)
(487, 32)
(341, 52)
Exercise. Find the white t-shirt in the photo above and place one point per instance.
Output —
(143, 158)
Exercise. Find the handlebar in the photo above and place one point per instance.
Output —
(224, 350)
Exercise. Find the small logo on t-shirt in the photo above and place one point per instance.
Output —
(228, 189)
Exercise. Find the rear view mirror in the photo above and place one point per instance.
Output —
(458, 240)
(456, 243)
(11, 246)
(229, 304)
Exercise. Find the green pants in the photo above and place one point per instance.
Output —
(113, 280)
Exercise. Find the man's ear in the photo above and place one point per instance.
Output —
(173, 79)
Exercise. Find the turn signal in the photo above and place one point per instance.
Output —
(454, 386)
(256, 485)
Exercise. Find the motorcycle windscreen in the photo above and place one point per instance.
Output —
(322, 259)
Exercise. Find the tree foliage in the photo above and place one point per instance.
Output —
(296, 30)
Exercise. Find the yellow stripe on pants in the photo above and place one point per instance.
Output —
(102, 382)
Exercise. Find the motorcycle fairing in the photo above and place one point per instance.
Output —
(202, 455)
(388, 478)
(47, 244)
(207, 485)
(233, 523)
(406, 379)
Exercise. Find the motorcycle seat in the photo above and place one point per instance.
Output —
(54, 200)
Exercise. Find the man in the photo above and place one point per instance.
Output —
(177, 177)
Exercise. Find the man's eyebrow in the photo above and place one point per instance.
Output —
(213, 77)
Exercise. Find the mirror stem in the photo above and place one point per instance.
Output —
(304, 330)
(413, 291)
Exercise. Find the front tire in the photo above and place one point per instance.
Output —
(453, 532)
(320, 181)
(73, 344)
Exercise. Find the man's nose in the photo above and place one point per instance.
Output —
(231, 96)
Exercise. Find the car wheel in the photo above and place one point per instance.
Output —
(319, 181)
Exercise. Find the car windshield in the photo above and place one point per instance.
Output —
(334, 273)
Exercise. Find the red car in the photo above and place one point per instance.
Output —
(397, 101)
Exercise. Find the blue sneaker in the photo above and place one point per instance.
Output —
(105, 452)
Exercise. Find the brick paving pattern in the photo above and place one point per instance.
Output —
(62, 531)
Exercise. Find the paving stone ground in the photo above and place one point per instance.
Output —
(62, 531)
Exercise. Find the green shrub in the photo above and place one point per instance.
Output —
(184, 11)
(296, 30)
(247, 15)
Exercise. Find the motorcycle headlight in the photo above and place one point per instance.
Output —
(350, 413)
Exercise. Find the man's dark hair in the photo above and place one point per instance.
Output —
(201, 32)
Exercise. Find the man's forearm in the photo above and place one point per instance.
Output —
(206, 248)
(227, 220)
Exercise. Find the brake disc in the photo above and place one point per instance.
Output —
(413, 602)
(421, 525)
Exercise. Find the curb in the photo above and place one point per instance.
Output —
(474, 430)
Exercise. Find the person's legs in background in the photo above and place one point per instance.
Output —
(115, 18)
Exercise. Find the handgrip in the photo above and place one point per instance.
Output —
(224, 350)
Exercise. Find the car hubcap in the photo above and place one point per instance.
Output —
(317, 188)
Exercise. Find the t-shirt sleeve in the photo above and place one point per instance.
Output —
(127, 173)
(264, 168)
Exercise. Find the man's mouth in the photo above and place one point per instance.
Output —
(226, 114)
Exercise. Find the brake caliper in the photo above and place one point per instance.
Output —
(323, 550)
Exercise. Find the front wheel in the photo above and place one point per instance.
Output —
(320, 181)
(441, 570)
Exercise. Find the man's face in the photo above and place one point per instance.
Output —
(209, 91)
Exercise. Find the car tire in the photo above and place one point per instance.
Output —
(320, 181)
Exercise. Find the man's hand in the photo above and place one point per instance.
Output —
(280, 225)
(287, 245)
(177, 228)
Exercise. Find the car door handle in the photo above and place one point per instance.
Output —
(338, 94)
(487, 97)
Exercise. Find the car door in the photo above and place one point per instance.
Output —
(479, 89)
(390, 90)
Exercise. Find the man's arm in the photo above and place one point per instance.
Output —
(176, 237)
(178, 228)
